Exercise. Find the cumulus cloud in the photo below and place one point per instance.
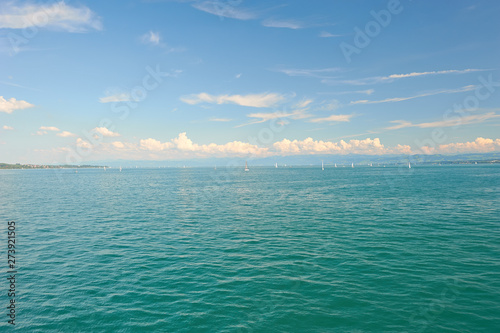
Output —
(263, 100)
(12, 104)
(183, 145)
(8, 128)
(480, 145)
(103, 131)
(49, 128)
(65, 134)
(56, 15)
(311, 146)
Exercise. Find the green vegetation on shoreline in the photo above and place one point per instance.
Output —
(42, 166)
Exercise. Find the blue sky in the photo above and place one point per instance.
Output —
(166, 80)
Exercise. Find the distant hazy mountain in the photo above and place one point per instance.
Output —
(309, 160)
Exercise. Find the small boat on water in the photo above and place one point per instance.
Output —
(352, 165)
(322, 167)
(276, 165)
(246, 166)
(409, 165)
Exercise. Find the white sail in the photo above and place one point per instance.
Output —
(246, 166)
(322, 167)
(409, 165)
(352, 165)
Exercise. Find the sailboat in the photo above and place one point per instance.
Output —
(409, 165)
(276, 165)
(246, 166)
(335, 164)
(322, 167)
(352, 165)
(104, 168)
(120, 169)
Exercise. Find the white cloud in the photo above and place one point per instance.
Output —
(151, 37)
(152, 144)
(225, 9)
(103, 131)
(289, 24)
(220, 119)
(480, 145)
(263, 100)
(452, 121)
(317, 73)
(8, 128)
(183, 146)
(40, 133)
(49, 128)
(394, 77)
(365, 92)
(56, 15)
(333, 118)
(311, 146)
(303, 104)
(66, 134)
(400, 99)
(121, 97)
(10, 105)
(326, 34)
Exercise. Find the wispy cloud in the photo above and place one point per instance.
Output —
(262, 117)
(466, 120)
(288, 24)
(317, 73)
(326, 34)
(121, 97)
(394, 77)
(151, 37)
(222, 9)
(263, 100)
(12, 104)
(333, 118)
(8, 128)
(365, 92)
(220, 119)
(56, 15)
(400, 99)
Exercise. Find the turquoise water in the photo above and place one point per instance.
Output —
(270, 250)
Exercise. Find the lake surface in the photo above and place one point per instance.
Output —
(368, 249)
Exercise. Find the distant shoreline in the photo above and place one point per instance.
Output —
(8, 166)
